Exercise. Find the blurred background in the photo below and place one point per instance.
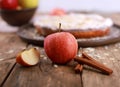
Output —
(21, 16)
(83, 5)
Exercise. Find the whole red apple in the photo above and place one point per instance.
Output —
(60, 47)
(9, 4)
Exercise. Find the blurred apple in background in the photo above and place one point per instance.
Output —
(58, 12)
(9, 4)
(14, 14)
(28, 3)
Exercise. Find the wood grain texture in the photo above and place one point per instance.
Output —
(45, 74)
(10, 45)
(108, 56)
(5, 68)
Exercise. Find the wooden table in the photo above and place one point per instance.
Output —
(46, 74)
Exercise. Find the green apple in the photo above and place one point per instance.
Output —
(28, 3)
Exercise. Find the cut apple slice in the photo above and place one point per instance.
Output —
(28, 57)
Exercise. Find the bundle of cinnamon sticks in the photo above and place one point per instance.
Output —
(88, 60)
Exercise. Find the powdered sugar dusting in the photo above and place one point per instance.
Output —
(56, 66)
(74, 21)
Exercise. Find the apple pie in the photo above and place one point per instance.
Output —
(80, 25)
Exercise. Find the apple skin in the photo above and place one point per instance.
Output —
(28, 3)
(20, 60)
(61, 47)
(9, 4)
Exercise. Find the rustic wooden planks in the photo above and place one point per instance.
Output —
(108, 56)
(10, 45)
(45, 74)
(5, 69)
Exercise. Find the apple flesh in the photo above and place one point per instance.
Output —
(28, 57)
(61, 47)
(28, 3)
(9, 4)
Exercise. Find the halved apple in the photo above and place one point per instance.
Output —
(28, 57)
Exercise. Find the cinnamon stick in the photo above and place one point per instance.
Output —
(78, 68)
(85, 55)
(94, 64)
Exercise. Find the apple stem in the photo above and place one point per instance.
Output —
(59, 27)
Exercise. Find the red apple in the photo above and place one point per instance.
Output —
(61, 47)
(28, 57)
(0, 3)
(58, 12)
(9, 4)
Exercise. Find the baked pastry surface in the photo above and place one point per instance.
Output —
(80, 25)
